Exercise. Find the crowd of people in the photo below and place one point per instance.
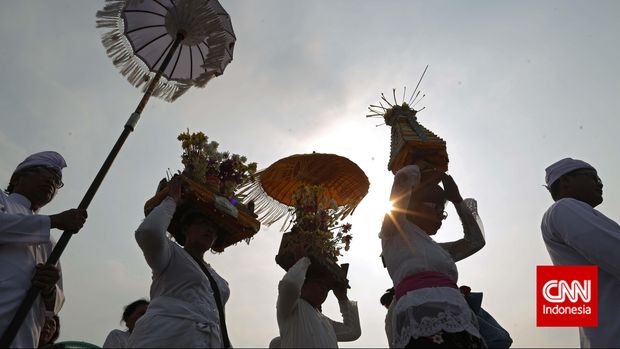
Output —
(425, 305)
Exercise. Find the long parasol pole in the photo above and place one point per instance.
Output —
(11, 331)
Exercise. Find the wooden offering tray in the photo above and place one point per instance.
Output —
(235, 221)
(292, 249)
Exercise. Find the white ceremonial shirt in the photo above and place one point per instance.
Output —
(25, 241)
(407, 250)
(116, 339)
(577, 234)
(182, 312)
(303, 326)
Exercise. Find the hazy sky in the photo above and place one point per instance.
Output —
(512, 87)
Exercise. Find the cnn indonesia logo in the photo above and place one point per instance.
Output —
(567, 296)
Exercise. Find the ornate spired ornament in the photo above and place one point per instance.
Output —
(410, 141)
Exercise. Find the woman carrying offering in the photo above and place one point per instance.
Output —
(187, 295)
(428, 309)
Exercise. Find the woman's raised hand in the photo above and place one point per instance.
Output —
(174, 189)
(451, 189)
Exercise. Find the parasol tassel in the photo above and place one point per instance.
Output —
(268, 209)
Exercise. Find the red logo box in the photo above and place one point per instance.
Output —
(567, 296)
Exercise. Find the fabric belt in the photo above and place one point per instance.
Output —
(423, 280)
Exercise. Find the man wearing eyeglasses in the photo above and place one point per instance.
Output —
(25, 243)
(577, 234)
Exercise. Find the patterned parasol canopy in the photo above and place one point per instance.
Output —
(142, 32)
(273, 188)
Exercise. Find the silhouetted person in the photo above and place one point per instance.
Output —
(577, 234)
(183, 311)
(298, 310)
(428, 308)
(26, 243)
(132, 312)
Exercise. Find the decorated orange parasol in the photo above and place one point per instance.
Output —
(273, 188)
(315, 192)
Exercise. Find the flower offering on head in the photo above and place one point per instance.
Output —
(222, 171)
(317, 224)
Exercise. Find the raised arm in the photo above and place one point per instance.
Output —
(473, 239)
(289, 288)
(349, 329)
(151, 235)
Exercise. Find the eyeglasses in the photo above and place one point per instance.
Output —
(437, 208)
(591, 174)
(49, 173)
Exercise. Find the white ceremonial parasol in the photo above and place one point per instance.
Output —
(165, 47)
(198, 34)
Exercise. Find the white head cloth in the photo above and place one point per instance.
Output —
(49, 159)
(562, 167)
(404, 180)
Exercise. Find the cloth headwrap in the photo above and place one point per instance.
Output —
(49, 159)
(562, 167)
(404, 180)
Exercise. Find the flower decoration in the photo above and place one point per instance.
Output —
(221, 171)
(316, 222)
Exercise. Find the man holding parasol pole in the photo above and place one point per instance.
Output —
(25, 242)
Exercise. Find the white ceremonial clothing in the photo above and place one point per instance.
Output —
(407, 250)
(25, 241)
(182, 312)
(577, 234)
(116, 339)
(303, 326)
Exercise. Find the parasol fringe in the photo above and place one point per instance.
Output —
(270, 210)
(267, 208)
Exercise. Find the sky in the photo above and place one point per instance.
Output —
(512, 86)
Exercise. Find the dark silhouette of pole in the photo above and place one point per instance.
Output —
(32, 294)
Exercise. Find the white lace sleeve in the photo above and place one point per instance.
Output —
(473, 230)
(349, 329)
